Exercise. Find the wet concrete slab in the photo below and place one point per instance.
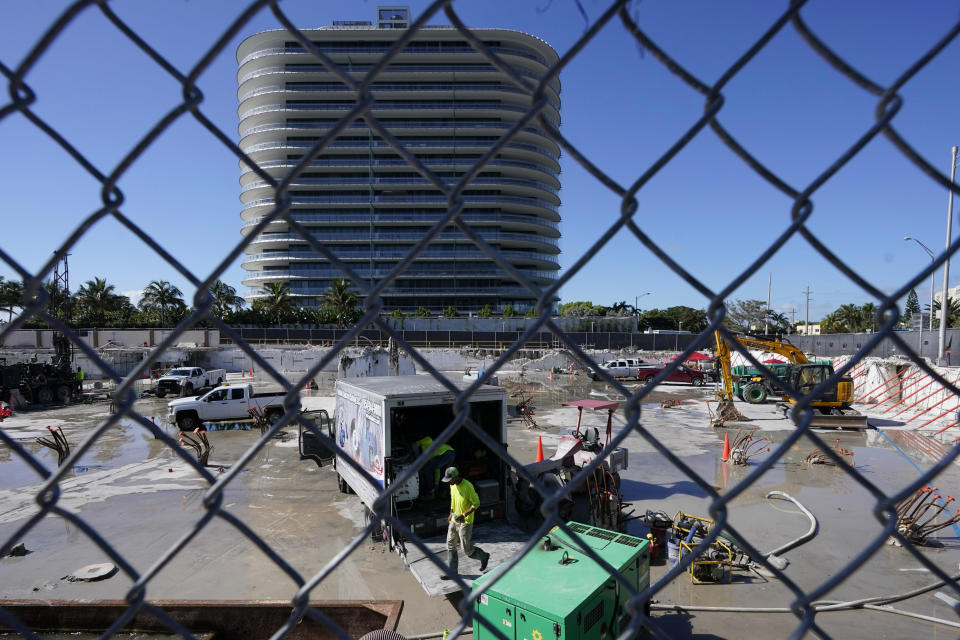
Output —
(144, 500)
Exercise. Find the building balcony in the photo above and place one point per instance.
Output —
(258, 208)
(380, 220)
(278, 257)
(378, 235)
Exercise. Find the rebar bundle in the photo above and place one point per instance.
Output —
(58, 443)
(200, 445)
(725, 412)
(606, 502)
(259, 419)
(817, 456)
(745, 446)
(917, 515)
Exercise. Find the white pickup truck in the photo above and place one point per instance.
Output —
(186, 380)
(226, 403)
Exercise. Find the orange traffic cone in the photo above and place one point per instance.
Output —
(539, 449)
(251, 372)
(726, 447)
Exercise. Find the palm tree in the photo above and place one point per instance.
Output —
(95, 298)
(779, 321)
(10, 293)
(277, 302)
(225, 299)
(160, 295)
(849, 317)
(343, 302)
(953, 312)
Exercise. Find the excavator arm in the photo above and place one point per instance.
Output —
(723, 360)
(785, 349)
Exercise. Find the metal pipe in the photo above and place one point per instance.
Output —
(946, 264)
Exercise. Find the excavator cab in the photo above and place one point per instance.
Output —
(806, 377)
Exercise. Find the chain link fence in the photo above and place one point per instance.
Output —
(805, 603)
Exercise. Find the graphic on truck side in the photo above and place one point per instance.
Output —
(360, 432)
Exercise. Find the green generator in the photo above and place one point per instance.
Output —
(557, 592)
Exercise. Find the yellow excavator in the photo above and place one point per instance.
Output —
(801, 374)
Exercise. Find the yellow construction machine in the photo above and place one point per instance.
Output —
(801, 374)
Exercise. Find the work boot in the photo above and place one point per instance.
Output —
(484, 561)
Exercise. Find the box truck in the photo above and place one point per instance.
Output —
(377, 422)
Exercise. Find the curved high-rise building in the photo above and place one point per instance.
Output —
(447, 105)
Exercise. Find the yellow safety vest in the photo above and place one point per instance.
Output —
(462, 497)
(424, 444)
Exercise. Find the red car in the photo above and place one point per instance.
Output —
(682, 373)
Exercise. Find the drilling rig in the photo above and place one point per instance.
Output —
(40, 383)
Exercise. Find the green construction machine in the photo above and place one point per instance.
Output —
(557, 592)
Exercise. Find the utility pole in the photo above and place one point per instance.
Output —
(793, 318)
(806, 326)
(944, 303)
(766, 321)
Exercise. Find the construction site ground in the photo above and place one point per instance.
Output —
(142, 498)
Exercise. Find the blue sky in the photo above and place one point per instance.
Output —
(621, 108)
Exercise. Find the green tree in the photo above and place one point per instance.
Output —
(10, 293)
(343, 302)
(953, 313)
(450, 312)
(673, 319)
(581, 309)
(95, 299)
(868, 317)
(225, 299)
(508, 311)
(779, 321)
(622, 309)
(912, 307)
(485, 312)
(396, 313)
(531, 312)
(744, 315)
(422, 312)
(159, 298)
(276, 303)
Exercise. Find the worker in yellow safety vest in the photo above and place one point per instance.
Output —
(463, 503)
(79, 379)
(442, 458)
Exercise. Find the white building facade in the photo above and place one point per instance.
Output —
(448, 106)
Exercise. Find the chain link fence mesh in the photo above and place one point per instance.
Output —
(805, 604)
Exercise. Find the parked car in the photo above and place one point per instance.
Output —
(623, 368)
(683, 373)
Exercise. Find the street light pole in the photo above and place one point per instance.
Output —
(946, 265)
(932, 285)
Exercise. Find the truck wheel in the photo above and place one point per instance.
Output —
(44, 395)
(187, 422)
(755, 393)
(697, 382)
(63, 394)
(648, 379)
(273, 415)
(219, 381)
(161, 393)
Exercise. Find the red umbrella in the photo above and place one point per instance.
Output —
(696, 356)
(774, 361)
